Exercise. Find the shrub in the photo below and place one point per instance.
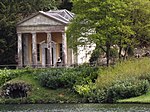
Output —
(126, 89)
(84, 90)
(87, 71)
(95, 55)
(58, 78)
(101, 95)
(145, 76)
(125, 79)
(51, 78)
(88, 91)
(67, 78)
(17, 89)
(6, 75)
(135, 68)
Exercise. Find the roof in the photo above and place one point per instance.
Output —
(62, 13)
(64, 16)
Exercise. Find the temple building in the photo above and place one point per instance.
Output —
(42, 40)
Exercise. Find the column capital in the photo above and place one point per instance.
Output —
(19, 33)
(63, 32)
(48, 32)
(33, 32)
(25, 34)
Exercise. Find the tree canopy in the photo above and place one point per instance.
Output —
(66, 4)
(109, 22)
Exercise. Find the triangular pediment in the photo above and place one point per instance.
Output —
(39, 19)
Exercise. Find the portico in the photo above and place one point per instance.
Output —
(42, 39)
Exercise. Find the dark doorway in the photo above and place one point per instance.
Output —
(52, 56)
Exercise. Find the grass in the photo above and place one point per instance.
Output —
(138, 69)
(40, 94)
(63, 92)
(140, 99)
(124, 70)
(127, 69)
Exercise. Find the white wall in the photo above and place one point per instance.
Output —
(84, 53)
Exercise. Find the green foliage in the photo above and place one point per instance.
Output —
(127, 89)
(87, 91)
(65, 4)
(145, 76)
(6, 75)
(55, 78)
(95, 56)
(123, 80)
(67, 78)
(140, 99)
(87, 71)
(101, 22)
(114, 53)
(51, 78)
(119, 90)
(11, 11)
(39, 94)
(107, 23)
(101, 95)
(140, 20)
(15, 89)
(134, 68)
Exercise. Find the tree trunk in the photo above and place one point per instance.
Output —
(126, 52)
(120, 49)
(108, 52)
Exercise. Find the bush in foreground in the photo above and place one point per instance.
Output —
(17, 89)
(51, 78)
(6, 75)
(127, 89)
(67, 77)
(135, 68)
(124, 80)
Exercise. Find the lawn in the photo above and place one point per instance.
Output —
(140, 99)
(40, 94)
(126, 79)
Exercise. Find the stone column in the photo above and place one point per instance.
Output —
(64, 48)
(43, 46)
(34, 50)
(26, 49)
(49, 49)
(20, 50)
(54, 53)
(70, 57)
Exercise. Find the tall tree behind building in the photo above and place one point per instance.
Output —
(125, 23)
(65, 4)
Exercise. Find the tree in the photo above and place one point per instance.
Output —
(11, 11)
(100, 21)
(104, 22)
(139, 22)
(65, 4)
(140, 17)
